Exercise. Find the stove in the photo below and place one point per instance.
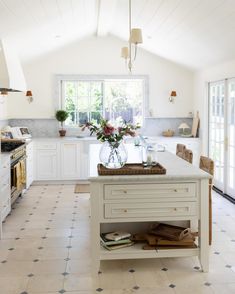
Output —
(17, 150)
(9, 146)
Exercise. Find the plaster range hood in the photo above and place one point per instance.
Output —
(11, 74)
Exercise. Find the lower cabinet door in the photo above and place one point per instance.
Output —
(46, 165)
(70, 161)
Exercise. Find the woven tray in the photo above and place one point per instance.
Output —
(132, 169)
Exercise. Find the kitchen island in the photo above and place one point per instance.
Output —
(133, 202)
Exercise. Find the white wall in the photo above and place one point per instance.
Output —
(201, 80)
(3, 107)
(102, 56)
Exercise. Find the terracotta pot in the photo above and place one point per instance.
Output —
(62, 133)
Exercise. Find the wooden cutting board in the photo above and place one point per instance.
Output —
(195, 125)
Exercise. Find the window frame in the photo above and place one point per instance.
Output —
(59, 79)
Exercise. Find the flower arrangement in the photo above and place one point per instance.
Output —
(112, 153)
(106, 132)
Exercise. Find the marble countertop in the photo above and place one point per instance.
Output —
(66, 138)
(177, 168)
(93, 138)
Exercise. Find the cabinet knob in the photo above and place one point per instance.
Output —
(175, 190)
(125, 210)
(175, 209)
(125, 191)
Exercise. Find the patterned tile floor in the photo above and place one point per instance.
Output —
(45, 249)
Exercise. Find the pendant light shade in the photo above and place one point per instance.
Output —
(125, 52)
(136, 36)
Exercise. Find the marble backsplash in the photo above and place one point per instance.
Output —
(49, 127)
(3, 123)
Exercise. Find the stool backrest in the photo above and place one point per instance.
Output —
(188, 155)
(180, 148)
(207, 165)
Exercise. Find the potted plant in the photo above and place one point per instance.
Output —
(61, 116)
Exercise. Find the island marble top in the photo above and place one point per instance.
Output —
(176, 168)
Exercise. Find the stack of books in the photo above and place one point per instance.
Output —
(115, 240)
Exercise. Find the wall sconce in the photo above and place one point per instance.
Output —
(29, 96)
(172, 96)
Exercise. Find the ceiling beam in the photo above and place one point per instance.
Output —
(105, 16)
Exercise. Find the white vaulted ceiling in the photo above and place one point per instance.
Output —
(195, 33)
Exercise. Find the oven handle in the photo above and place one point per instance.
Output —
(17, 160)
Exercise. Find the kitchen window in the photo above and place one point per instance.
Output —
(89, 99)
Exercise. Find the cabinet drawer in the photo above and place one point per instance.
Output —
(154, 191)
(140, 210)
(46, 146)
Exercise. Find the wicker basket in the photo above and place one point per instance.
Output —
(132, 169)
(168, 133)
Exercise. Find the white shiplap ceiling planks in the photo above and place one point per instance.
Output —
(195, 33)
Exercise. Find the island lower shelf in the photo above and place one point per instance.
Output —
(136, 251)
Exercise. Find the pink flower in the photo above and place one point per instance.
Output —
(108, 130)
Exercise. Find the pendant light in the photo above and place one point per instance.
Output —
(135, 38)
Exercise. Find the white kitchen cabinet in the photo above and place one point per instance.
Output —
(29, 164)
(3, 107)
(5, 189)
(85, 158)
(70, 158)
(46, 161)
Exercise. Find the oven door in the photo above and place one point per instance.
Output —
(18, 178)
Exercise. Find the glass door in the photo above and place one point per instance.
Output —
(216, 130)
(222, 134)
(230, 140)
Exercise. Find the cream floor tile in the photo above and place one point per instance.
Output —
(116, 280)
(151, 278)
(155, 290)
(53, 253)
(45, 283)
(81, 266)
(43, 267)
(13, 285)
(56, 242)
(76, 253)
(16, 268)
(77, 282)
(219, 275)
(58, 233)
(5, 244)
(228, 288)
(193, 289)
(183, 278)
(31, 233)
(23, 254)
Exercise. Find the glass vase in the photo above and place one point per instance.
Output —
(113, 155)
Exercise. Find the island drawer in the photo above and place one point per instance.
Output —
(140, 210)
(138, 191)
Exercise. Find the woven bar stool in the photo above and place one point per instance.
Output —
(188, 155)
(180, 150)
(207, 165)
